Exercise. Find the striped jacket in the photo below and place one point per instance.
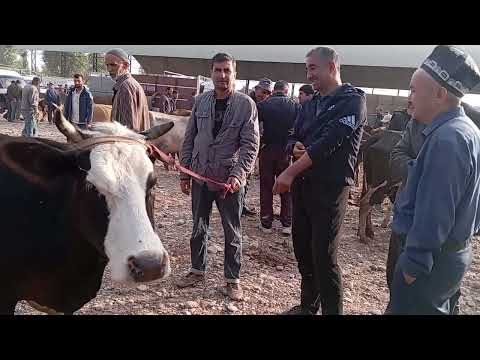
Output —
(130, 105)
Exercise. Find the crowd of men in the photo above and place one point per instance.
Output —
(307, 153)
(165, 102)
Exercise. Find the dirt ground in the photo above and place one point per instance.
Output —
(269, 274)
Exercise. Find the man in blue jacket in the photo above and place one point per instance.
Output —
(437, 211)
(277, 114)
(79, 104)
(325, 143)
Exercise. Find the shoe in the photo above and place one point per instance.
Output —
(287, 230)
(248, 211)
(298, 310)
(233, 291)
(264, 229)
(189, 280)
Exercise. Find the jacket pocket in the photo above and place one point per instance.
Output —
(202, 119)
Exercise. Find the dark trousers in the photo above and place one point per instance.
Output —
(272, 162)
(318, 213)
(434, 294)
(230, 210)
(247, 186)
(394, 251)
(50, 111)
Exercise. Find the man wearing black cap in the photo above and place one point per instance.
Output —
(437, 211)
(261, 92)
(305, 93)
(325, 144)
(277, 115)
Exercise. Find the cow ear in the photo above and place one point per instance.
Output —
(37, 162)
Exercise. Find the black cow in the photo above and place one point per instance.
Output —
(378, 181)
(69, 209)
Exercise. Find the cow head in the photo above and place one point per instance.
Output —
(124, 174)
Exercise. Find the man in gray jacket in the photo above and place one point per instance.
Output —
(29, 107)
(221, 143)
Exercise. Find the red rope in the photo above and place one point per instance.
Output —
(154, 152)
(160, 155)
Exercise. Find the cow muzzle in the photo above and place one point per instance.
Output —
(149, 266)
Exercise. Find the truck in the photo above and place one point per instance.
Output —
(101, 87)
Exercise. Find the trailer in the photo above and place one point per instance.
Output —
(188, 87)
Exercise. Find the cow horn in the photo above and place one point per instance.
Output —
(157, 131)
(72, 133)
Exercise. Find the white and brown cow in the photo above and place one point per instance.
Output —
(69, 209)
(172, 142)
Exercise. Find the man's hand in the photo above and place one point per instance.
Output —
(233, 181)
(298, 150)
(409, 279)
(283, 183)
(185, 186)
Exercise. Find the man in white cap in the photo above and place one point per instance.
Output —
(437, 211)
(129, 105)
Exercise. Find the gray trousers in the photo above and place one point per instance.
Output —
(12, 115)
(230, 210)
(30, 128)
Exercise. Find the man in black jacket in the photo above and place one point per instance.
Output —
(277, 114)
(325, 144)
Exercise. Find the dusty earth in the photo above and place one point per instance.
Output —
(269, 274)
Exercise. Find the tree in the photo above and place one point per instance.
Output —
(10, 57)
(65, 64)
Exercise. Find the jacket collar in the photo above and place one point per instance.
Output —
(119, 81)
(442, 118)
(230, 98)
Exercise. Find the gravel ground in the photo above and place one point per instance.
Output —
(269, 274)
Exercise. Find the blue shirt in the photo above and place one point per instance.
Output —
(441, 198)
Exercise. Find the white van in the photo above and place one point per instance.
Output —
(6, 78)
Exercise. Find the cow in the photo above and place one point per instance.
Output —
(42, 110)
(102, 113)
(378, 183)
(378, 180)
(172, 142)
(69, 209)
